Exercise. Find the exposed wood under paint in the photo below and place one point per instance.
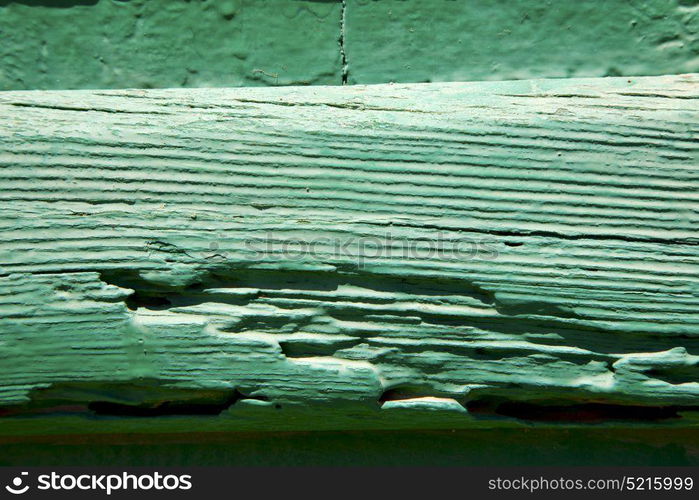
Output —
(442, 255)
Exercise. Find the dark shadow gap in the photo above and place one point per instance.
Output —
(565, 412)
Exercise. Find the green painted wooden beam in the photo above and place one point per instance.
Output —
(467, 255)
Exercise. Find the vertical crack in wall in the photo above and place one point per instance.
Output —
(343, 53)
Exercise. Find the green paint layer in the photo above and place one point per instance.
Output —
(459, 40)
(145, 284)
(69, 44)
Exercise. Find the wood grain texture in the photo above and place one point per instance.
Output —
(437, 255)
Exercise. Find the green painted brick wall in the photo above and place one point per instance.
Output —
(70, 44)
(454, 40)
(66, 44)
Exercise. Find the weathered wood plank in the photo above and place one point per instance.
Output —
(451, 40)
(444, 255)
